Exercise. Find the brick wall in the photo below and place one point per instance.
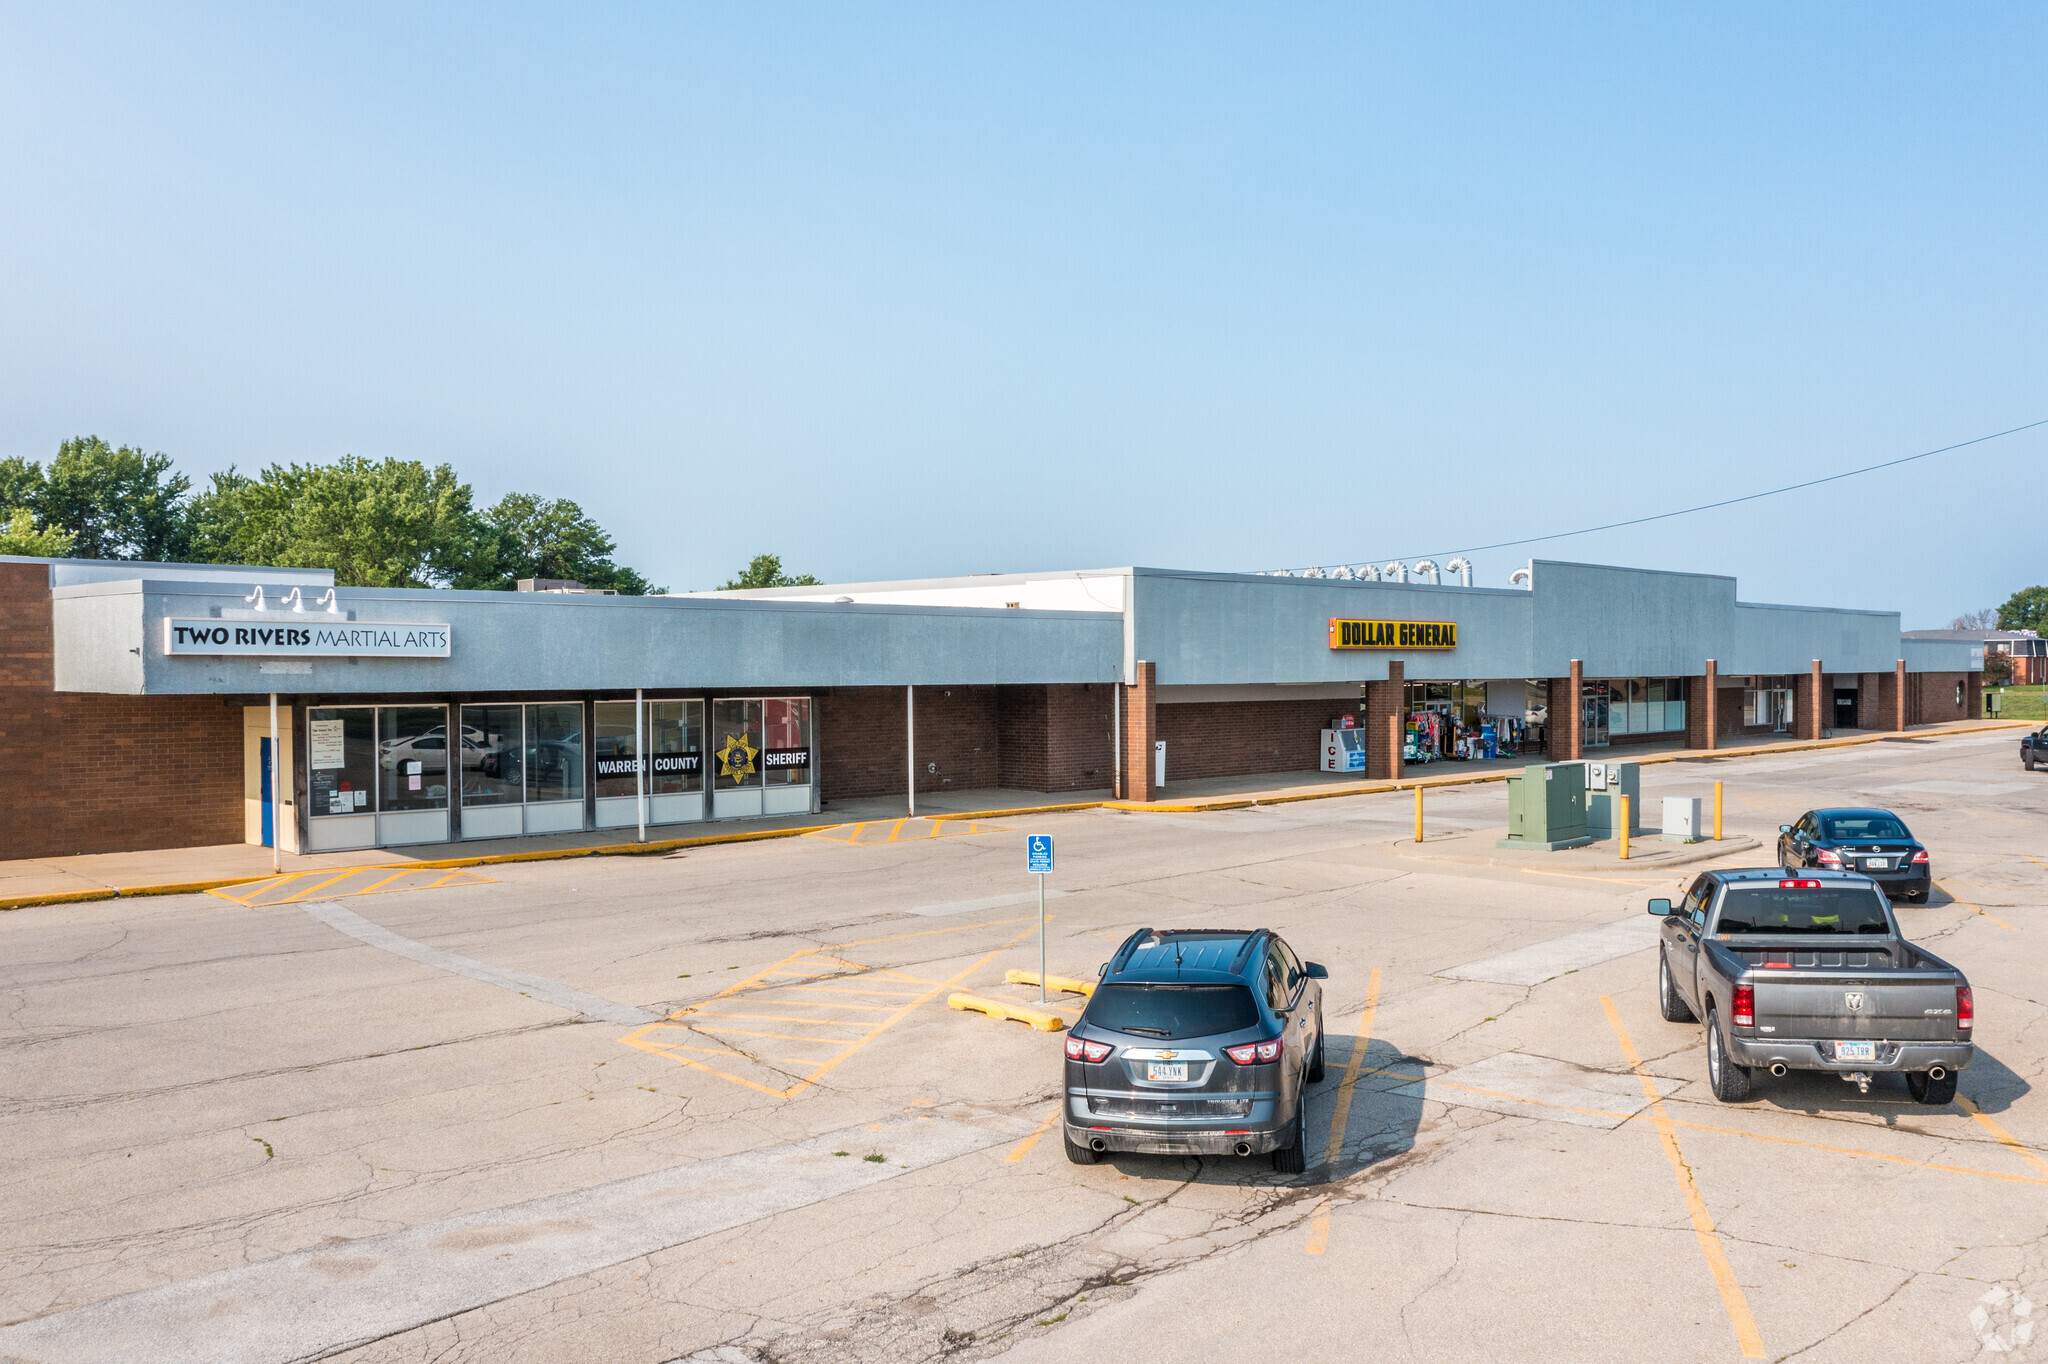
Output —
(1931, 698)
(862, 740)
(1241, 738)
(1054, 738)
(91, 774)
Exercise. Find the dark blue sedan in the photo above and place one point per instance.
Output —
(1873, 842)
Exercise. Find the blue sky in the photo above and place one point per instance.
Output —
(914, 290)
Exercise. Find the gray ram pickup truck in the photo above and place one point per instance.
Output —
(1806, 970)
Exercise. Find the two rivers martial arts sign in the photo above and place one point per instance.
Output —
(1393, 634)
(310, 639)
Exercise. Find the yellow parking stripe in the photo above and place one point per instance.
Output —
(317, 888)
(1732, 1299)
(788, 1018)
(1342, 1117)
(2005, 1138)
(1023, 1148)
(777, 1036)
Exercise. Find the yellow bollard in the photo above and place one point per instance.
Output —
(1418, 814)
(1717, 812)
(1624, 828)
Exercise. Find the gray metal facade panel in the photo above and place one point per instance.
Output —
(1210, 631)
(535, 642)
(1786, 639)
(1935, 656)
(1623, 622)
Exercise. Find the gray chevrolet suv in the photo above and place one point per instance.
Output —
(1197, 1041)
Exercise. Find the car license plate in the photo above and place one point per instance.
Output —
(1878, 863)
(1855, 1051)
(1160, 1070)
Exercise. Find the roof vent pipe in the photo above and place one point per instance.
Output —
(1314, 573)
(1519, 578)
(1428, 566)
(1463, 568)
(1370, 572)
(1396, 572)
(1342, 571)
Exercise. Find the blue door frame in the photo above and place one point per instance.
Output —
(269, 804)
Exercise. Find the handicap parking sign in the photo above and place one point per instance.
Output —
(1038, 853)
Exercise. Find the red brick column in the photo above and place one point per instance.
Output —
(1141, 728)
(1891, 698)
(1703, 695)
(1973, 696)
(1567, 741)
(1809, 721)
(1383, 721)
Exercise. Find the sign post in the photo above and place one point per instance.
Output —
(1038, 862)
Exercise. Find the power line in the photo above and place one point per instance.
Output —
(1732, 501)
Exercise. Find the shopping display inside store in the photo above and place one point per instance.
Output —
(1473, 721)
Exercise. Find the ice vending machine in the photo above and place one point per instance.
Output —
(1343, 750)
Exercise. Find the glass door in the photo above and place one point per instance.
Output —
(737, 774)
(1595, 705)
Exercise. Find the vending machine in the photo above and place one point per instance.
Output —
(1343, 750)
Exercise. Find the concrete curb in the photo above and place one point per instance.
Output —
(1707, 851)
(1128, 807)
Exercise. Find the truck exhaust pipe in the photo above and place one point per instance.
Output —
(1243, 1148)
(1937, 1072)
(1778, 1070)
(1098, 1145)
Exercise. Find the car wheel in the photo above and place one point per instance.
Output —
(1730, 1082)
(1315, 1061)
(1080, 1155)
(1292, 1158)
(1673, 1007)
(1931, 1092)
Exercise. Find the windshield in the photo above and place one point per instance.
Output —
(1822, 909)
(1173, 1011)
(1858, 828)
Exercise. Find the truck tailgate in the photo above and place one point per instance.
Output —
(1900, 1005)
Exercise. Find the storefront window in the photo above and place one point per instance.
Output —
(616, 750)
(412, 757)
(341, 759)
(1646, 705)
(787, 756)
(736, 744)
(675, 743)
(1768, 701)
(493, 743)
(554, 752)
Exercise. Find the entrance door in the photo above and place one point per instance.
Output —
(1593, 714)
(1845, 709)
(269, 796)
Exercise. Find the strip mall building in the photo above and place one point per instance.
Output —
(136, 699)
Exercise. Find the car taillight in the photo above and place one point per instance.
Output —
(1742, 1012)
(1920, 858)
(1080, 1050)
(1966, 1009)
(1829, 858)
(1254, 1053)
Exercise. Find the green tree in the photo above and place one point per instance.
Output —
(116, 504)
(766, 571)
(21, 483)
(376, 523)
(2026, 609)
(18, 535)
(525, 536)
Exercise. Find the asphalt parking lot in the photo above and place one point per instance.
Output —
(712, 1105)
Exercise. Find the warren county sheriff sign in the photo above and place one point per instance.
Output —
(1393, 634)
(341, 639)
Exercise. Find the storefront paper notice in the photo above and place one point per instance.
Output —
(325, 743)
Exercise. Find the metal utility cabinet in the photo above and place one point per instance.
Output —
(1606, 783)
(1547, 807)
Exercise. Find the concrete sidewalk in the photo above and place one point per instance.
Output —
(171, 871)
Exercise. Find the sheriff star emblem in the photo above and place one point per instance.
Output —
(736, 759)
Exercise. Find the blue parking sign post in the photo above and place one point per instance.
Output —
(1038, 862)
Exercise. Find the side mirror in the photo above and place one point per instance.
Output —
(1317, 971)
(1102, 970)
(1784, 828)
(1660, 908)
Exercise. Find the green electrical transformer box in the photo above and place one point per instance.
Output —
(1547, 807)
